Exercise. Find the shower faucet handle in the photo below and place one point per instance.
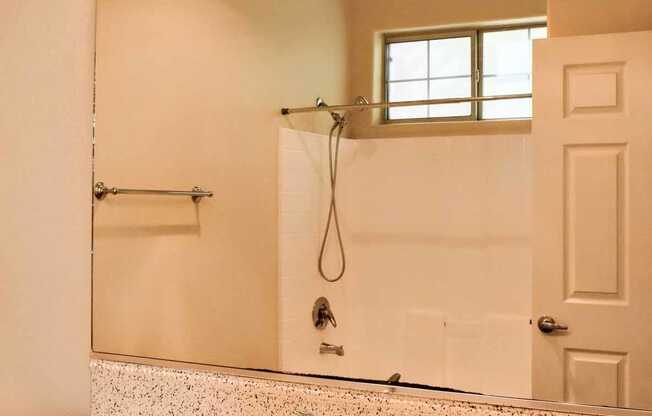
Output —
(331, 318)
(322, 314)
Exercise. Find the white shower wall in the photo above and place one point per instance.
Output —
(437, 235)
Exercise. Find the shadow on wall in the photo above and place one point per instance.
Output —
(148, 217)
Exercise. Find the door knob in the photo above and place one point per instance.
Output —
(548, 324)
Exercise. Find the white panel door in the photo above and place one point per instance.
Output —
(592, 134)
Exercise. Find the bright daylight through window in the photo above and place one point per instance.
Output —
(461, 64)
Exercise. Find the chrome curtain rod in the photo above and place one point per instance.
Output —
(100, 190)
(332, 108)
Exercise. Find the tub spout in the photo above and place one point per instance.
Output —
(325, 348)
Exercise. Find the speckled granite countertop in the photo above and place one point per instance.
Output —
(132, 389)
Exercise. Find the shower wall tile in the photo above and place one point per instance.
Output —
(441, 225)
(464, 355)
(303, 204)
(119, 389)
(509, 273)
(424, 354)
(438, 251)
(298, 250)
(296, 202)
(507, 339)
(508, 172)
(297, 222)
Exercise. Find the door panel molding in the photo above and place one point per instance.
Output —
(595, 198)
(595, 377)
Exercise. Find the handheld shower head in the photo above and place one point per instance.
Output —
(333, 154)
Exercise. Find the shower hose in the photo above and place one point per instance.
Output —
(333, 157)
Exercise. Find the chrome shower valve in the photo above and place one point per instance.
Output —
(322, 314)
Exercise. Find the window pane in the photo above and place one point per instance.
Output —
(506, 52)
(437, 68)
(408, 91)
(450, 88)
(519, 108)
(507, 69)
(507, 84)
(450, 57)
(407, 60)
(539, 33)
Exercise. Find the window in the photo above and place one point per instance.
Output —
(460, 64)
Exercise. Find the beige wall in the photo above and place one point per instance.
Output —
(371, 18)
(586, 17)
(189, 93)
(46, 49)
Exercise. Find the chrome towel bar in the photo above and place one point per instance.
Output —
(100, 190)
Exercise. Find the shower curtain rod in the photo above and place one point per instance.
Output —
(332, 108)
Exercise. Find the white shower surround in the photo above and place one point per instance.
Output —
(437, 234)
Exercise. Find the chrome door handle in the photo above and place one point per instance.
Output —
(548, 324)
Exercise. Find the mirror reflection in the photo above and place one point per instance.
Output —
(487, 237)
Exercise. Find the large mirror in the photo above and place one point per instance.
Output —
(465, 245)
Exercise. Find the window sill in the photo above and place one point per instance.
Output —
(442, 128)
